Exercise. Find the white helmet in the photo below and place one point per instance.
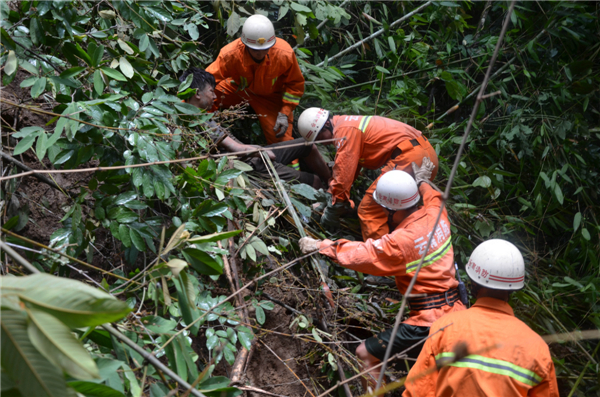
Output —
(310, 123)
(396, 190)
(258, 32)
(497, 264)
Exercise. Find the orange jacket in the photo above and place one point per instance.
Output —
(278, 73)
(369, 143)
(506, 358)
(398, 254)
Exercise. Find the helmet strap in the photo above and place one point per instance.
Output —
(391, 220)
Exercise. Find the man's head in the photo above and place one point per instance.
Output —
(314, 125)
(258, 34)
(396, 190)
(496, 268)
(204, 83)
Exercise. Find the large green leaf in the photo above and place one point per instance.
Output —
(72, 302)
(56, 342)
(32, 373)
(90, 389)
(202, 262)
(186, 293)
(214, 237)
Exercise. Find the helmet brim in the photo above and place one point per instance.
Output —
(261, 48)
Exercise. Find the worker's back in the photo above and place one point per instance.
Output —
(505, 357)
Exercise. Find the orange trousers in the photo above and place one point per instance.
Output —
(373, 217)
(266, 107)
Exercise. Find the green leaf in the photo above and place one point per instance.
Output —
(98, 82)
(586, 234)
(186, 108)
(147, 97)
(115, 74)
(159, 325)
(24, 144)
(97, 55)
(245, 336)
(90, 389)
(137, 240)
(305, 190)
(233, 23)
(186, 84)
(202, 262)
(56, 342)
(260, 315)
(559, 194)
(11, 63)
(72, 302)
(7, 41)
(316, 335)
(483, 181)
(125, 47)
(36, 32)
(209, 238)
(299, 8)
(134, 386)
(576, 221)
(41, 146)
(126, 67)
(33, 374)
(72, 72)
(144, 42)
(38, 88)
(124, 234)
(186, 294)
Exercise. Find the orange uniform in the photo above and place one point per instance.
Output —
(370, 142)
(272, 86)
(398, 254)
(506, 358)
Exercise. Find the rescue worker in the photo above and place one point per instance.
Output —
(204, 83)
(370, 142)
(486, 350)
(398, 254)
(261, 69)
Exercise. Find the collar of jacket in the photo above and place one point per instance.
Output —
(494, 304)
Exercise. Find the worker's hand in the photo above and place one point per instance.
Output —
(308, 244)
(330, 219)
(281, 125)
(423, 173)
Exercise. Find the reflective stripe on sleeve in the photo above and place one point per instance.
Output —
(291, 98)
(364, 123)
(494, 366)
(431, 258)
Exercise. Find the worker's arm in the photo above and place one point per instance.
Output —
(422, 379)
(431, 197)
(346, 163)
(231, 145)
(293, 86)
(382, 257)
(548, 387)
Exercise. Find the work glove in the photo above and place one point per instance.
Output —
(281, 125)
(423, 173)
(308, 244)
(330, 219)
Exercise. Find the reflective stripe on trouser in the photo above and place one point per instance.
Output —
(373, 217)
(491, 365)
(266, 106)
